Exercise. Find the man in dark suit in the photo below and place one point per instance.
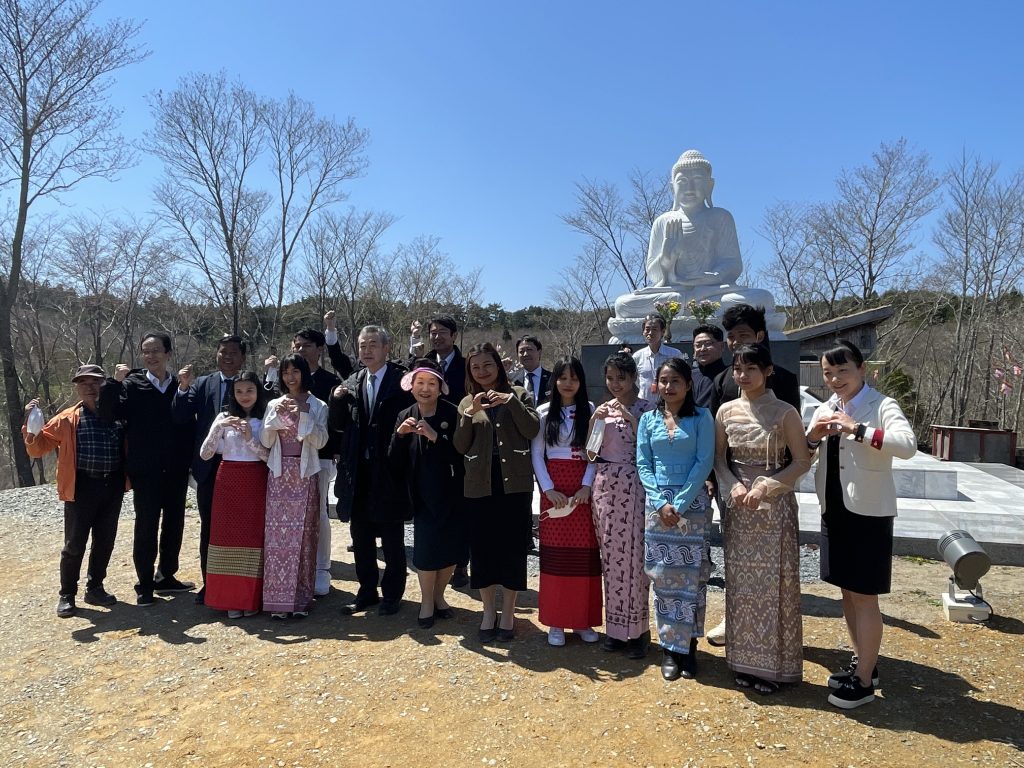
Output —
(745, 324)
(535, 379)
(708, 346)
(442, 332)
(363, 411)
(197, 402)
(158, 452)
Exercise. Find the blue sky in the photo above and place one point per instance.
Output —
(483, 115)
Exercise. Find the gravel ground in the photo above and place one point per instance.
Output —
(180, 685)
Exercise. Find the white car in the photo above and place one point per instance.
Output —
(808, 405)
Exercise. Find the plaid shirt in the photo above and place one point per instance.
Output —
(98, 444)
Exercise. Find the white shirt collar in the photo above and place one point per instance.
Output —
(449, 358)
(160, 386)
(851, 407)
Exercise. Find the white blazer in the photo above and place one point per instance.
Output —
(866, 472)
(312, 433)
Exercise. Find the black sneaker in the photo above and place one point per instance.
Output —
(170, 584)
(66, 606)
(97, 595)
(835, 681)
(852, 694)
(145, 599)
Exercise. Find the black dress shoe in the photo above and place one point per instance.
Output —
(444, 613)
(388, 607)
(425, 622)
(358, 605)
(612, 644)
(169, 584)
(688, 661)
(66, 606)
(97, 595)
(670, 666)
(638, 647)
(506, 635)
(201, 596)
(488, 635)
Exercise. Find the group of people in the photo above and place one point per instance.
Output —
(455, 445)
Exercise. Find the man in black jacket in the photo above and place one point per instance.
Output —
(708, 346)
(364, 410)
(197, 402)
(157, 455)
(442, 332)
(532, 376)
(745, 324)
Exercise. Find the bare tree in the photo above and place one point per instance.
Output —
(56, 130)
(879, 208)
(311, 158)
(618, 231)
(209, 134)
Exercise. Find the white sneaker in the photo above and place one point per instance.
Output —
(235, 614)
(556, 636)
(716, 636)
(322, 585)
(587, 635)
(247, 614)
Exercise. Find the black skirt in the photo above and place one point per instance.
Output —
(500, 535)
(856, 550)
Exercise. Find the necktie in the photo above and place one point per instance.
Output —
(225, 384)
(529, 380)
(444, 366)
(371, 386)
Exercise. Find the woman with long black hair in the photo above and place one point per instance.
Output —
(570, 561)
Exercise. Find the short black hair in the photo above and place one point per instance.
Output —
(622, 362)
(163, 338)
(232, 338)
(711, 330)
(529, 340)
(311, 334)
(844, 352)
(753, 354)
(744, 314)
(298, 362)
(445, 321)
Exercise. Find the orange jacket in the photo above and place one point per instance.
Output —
(61, 433)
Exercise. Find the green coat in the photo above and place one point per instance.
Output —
(516, 424)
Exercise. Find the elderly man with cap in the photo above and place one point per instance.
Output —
(90, 482)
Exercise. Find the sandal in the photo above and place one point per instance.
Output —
(744, 681)
(765, 687)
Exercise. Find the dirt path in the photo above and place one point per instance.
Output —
(179, 685)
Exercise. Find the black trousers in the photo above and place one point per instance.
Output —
(204, 501)
(364, 551)
(159, 524)
(95, 510)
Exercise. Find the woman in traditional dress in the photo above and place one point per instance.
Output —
(618, 504)
(423, 457)
(496, 423)
(675, 448)
(294, 429)
(764, 634)
(857, 495)
(570, 561)
(234, 573)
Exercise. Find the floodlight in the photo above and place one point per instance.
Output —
(969, 562)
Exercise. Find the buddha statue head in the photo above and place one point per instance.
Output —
(692, 182)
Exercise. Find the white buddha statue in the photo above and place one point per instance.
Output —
(693, 254)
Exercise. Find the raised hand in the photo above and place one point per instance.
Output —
(121, 372)
(184, 378)
(427, 431)
(329, 319)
